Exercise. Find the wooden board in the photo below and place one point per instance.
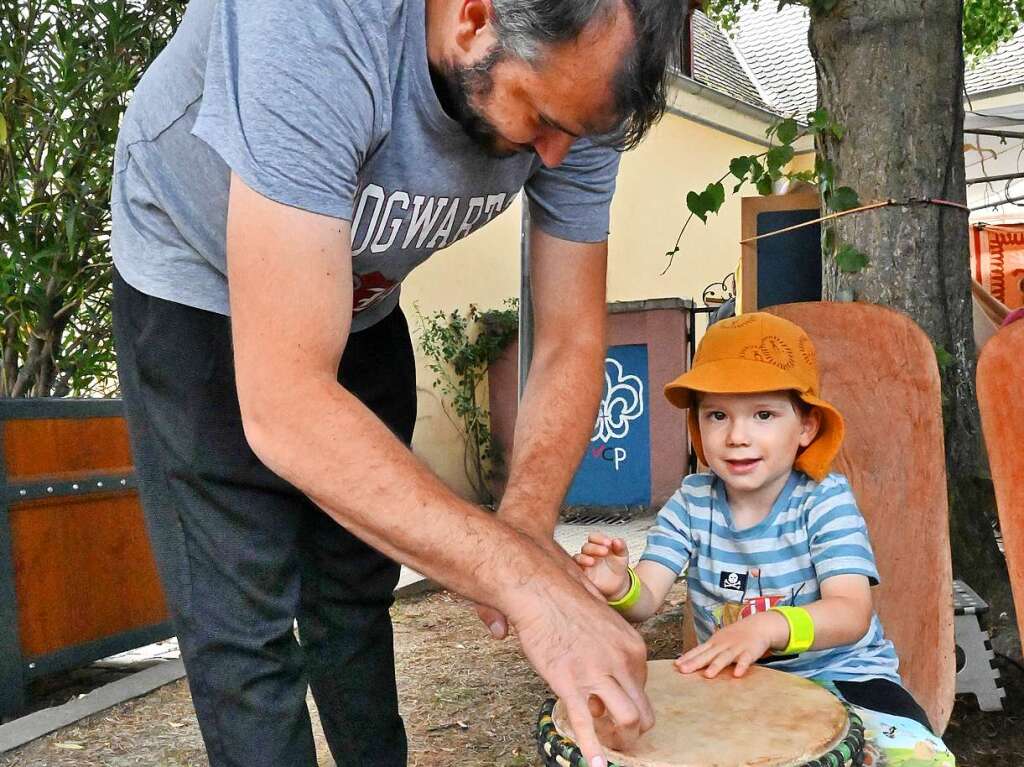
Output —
(83, 570)
(878, 368)
(785, 267)
(1001, 400)
(51, 447)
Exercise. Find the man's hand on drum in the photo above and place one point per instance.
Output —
(594, 661)
(742, 643)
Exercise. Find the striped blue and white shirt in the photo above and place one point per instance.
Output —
(813, 532)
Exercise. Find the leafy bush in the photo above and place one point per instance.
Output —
(67, 68)
(459, 349)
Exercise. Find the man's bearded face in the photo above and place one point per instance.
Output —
(461, 90)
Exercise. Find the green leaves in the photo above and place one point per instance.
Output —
(843, 198)
(726, 13)
(708, 201)
(459, 349)
(987, 23)
(695, 205)
(821, 7)
(740, 166)
(787, 130)
(778, 157)
(819, 122)
(851, 260)
(762, 170)
(714, 195)
(825, 171)
(942, 357)
(66, 70)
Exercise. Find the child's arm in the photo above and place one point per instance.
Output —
(604, 561)
(843, 614)
(841, 617)
(655, 582)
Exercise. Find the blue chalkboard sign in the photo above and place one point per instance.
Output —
(616, 469)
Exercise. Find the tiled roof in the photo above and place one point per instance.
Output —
(716, 65)
(774, 46)
(1002, 68)
(766, 61)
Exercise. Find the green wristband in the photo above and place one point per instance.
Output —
(801, 630)
(632, 595)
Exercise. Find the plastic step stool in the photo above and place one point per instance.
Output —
(976, 675)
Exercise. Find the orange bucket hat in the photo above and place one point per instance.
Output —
(760, 352)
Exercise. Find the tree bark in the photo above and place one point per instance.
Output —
(891, 72)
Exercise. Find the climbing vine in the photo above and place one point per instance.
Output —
(459, 349)
(762, 171)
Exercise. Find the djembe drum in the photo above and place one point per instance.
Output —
(765, 718)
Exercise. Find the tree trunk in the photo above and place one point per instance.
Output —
(891, 73)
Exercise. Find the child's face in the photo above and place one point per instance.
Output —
(751, 440)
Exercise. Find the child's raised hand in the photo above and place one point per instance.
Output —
(604, 560)
(742, 643)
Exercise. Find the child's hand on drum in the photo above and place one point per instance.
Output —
(604, 561)
(742, 643)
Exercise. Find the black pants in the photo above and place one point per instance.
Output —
(885, 697)
(243, 554)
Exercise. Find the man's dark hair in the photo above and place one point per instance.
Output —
(525, 28)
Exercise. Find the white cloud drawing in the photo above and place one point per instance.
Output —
(623, 402)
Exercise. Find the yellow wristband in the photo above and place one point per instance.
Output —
(632, 594)
(801, 630)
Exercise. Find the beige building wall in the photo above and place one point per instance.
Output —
(678, 156)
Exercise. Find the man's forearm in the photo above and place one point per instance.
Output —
(555, 421)
(330, 446)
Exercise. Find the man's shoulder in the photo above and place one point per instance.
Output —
(377, 20)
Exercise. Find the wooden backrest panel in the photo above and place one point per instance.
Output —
(83, 570)
(44, 447)
(878, 368)
(1001, 400)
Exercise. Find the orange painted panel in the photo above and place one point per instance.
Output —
(45, 447)
(878, 368)
(83, 570)
(1001, 400)
(997, 255)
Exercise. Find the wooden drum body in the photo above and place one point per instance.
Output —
(766, 718)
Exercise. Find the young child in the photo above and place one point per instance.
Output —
(779, 567)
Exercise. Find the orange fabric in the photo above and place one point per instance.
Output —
(760, 352)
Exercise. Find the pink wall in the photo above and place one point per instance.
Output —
(662, 326)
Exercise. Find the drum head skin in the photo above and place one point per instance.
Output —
(764, 719)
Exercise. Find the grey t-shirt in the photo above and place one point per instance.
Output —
(327, 106)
